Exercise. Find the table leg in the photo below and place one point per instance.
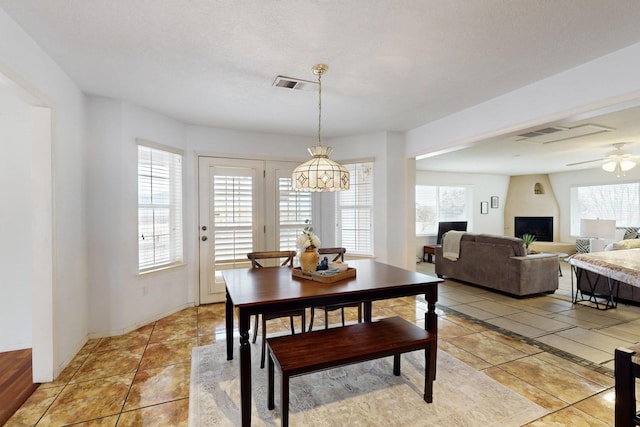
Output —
(229, 326)
(245, 369)
(431, 324)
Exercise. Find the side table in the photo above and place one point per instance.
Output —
(429, 251)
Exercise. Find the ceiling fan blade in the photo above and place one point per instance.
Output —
(586, 161)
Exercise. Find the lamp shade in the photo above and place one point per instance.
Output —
(598, 228)
(320, 173)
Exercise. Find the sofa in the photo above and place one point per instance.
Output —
(626, 292)
(500, 263)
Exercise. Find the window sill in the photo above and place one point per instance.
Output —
(161, 270)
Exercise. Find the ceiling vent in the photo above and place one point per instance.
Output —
(540, 132)
(296, 84)
(552, 134)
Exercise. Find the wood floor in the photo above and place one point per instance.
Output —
(15, 381)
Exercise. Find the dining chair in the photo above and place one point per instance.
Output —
(338, 254)
(283, 258)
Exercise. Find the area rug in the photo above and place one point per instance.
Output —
(363, 394)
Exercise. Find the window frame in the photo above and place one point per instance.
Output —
(175, 206)
(576, 214)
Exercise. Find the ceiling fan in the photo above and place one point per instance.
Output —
(617, 160)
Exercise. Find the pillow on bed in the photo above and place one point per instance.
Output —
(623, 244)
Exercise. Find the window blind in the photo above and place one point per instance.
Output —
(295, 207)
(160, 234)
(354, 211)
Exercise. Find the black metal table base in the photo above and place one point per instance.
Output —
(590, 297)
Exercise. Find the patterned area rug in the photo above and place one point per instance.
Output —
(364, 394)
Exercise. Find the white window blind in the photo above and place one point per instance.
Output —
(233, 202)
(439, 203)
(295, 207)
(615, 201)
(354, 211)
(159, 208)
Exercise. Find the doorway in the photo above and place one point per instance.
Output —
(27, 319)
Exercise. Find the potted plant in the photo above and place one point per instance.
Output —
(528, 239)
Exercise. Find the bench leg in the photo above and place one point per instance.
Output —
(396, 365)
(625, 407)
(430, 371)
(270, 389)
(284, 400)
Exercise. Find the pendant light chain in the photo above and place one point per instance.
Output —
(319, 106)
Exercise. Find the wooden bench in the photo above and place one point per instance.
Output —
(319, 350)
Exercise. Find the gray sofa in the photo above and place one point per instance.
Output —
(500, 263)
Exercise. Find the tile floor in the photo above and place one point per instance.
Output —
(555, 354)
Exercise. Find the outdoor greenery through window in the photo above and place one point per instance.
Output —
(159, 208)
(354, 211)
(615, 201)
(439, 203)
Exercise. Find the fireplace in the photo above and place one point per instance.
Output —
(539, 226)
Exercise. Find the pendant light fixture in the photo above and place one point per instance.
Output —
(320, 173)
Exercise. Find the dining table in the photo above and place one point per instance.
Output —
(254, 291)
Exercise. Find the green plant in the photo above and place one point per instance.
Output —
(528, 239)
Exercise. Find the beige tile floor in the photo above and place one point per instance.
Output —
(544, 348)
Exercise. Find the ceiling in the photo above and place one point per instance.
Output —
(391, 67)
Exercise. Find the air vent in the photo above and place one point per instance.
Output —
(545, 131)
(296, 84)
(552, 134)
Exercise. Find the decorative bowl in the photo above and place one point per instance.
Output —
(340, 266)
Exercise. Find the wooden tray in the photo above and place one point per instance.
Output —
(348, 273)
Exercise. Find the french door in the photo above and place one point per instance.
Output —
(244, 206)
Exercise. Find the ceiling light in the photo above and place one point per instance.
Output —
(619, 166)
(320, 173)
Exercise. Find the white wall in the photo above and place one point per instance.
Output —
(63, 313)
(605, 81)
(120, 300)
(15, 226)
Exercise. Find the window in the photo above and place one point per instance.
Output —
(615, 201)
(439, 203)
(233, 213)
(295, 207)
(354, 211)
(159, 208)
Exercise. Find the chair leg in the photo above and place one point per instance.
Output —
(360, 313)
(293, 329)
(313, 312)
(625, 406)
(342, 314)
(264, 341)
(255, 328)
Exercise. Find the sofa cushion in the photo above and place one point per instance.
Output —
(517, 245)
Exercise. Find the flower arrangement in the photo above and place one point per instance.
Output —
(307, 239)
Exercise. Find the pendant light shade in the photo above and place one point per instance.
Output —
(320, 173)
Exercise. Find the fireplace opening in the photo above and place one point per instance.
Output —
(539, 226)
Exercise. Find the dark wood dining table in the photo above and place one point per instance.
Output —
(274, 289)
